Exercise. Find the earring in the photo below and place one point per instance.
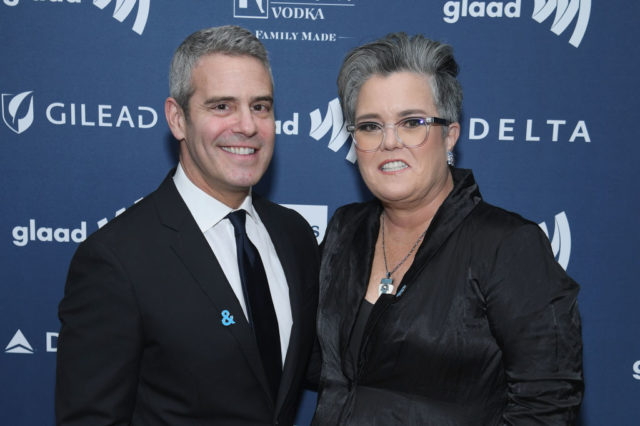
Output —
(450, 158)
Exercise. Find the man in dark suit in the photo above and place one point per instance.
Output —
(163, 320)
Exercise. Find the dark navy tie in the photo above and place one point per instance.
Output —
(262, 315)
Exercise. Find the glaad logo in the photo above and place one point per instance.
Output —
(561, 241)
(123, 9)
(566, 11)
(636, 370)
(258, 9)
(333, 120)
(17, 111)
(18, 345)
(22, 235)
(453, 10)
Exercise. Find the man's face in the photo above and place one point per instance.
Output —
(226, 142)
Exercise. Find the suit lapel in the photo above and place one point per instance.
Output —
(194, 252)
(287, 255)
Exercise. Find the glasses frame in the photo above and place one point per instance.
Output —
(427, 121)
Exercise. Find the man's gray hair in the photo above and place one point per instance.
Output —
(398, 52)
(229, 40)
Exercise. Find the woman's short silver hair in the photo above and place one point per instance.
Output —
(229, 40)
(399, 52)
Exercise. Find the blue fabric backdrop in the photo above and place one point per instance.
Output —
(549, 128)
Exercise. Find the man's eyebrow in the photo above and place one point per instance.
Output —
(267, 98)
(217, 99)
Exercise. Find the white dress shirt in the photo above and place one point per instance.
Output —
(210, 215)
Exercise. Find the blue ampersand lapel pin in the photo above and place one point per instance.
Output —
(227, 319)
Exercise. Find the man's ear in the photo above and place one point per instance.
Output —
(175, 118)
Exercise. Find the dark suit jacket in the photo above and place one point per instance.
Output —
(142, 339)
(484, 330)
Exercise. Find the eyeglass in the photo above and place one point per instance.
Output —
(412, 132)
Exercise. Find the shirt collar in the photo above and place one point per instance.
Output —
(206, 210)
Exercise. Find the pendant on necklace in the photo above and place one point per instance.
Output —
(386, 285)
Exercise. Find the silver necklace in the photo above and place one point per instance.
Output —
(386, 284)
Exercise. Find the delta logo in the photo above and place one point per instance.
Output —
(566, 12)
(20, 345)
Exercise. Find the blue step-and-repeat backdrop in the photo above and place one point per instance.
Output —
(550, 125)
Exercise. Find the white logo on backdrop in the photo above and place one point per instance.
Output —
(289, 9)
(251, 9)
(18, 114)
(333, 121)
(23, 235)
(18, 345)
(636, 370)
(15, 2)
(315, 215)
(566, 11)
(561, 241)
(534, 130)
(297, 10)
(123, 9)
(17, 111)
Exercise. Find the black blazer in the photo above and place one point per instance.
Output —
(485, 329)
(142, 339)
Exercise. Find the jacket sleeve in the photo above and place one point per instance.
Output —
(533, 310)
(99, 343)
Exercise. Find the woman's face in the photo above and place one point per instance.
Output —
(394, 173)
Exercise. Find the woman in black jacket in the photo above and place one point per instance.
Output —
(436, 308)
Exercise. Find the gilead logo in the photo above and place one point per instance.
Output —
(17, 111)
(18, 114)
(23, 235)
